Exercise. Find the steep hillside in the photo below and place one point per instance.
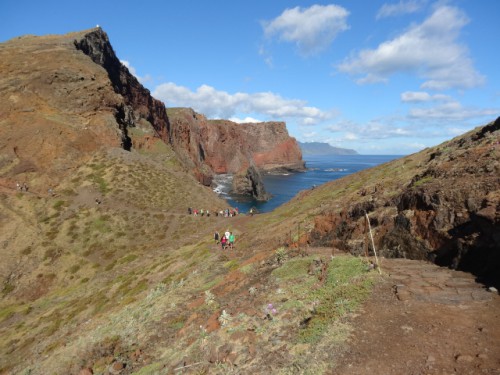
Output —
(51, 81)
(104, 272)
(442, 205)
(211, 147)
(227, 147)
(94, 219)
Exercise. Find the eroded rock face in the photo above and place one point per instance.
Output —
(221, 146)
(65, 96)
(139, 104)
(448, 213)
(68, 95)
(57, 106)
(250, 183)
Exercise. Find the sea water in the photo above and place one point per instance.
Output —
(283, 187)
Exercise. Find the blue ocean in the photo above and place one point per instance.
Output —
(283, 187)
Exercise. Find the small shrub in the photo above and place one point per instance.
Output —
(209, 297)
(7, 288)
(52, 254)
(247, 269)
(231, 265)
(58, 204)
(281, 255)
(110, 266)
(423, 181)
(224, 318)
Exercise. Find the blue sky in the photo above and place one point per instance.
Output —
(381, 77)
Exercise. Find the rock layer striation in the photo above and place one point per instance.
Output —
(222, 146)
(448, 212)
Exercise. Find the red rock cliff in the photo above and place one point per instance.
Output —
(222, 146)
(76, 97)
(67, 96)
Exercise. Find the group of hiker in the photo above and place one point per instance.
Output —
(226, 241)
(21, 187)
(223, 213)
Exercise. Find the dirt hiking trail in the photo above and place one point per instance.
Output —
(421, 319)
(424, 320)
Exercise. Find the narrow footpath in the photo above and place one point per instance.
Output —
(424, 319)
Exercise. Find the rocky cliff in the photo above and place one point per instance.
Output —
(221, 146)
(448, 212)
(138, 105)
(250, 183)
(64, 97)
(207, 146)
(51, 81)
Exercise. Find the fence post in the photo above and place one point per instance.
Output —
(373, 243)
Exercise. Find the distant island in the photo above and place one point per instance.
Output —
(320, 148)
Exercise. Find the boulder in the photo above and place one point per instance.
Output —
(250, 183)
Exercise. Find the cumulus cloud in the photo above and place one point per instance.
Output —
(132, 71)
(371, 130)
(245, 120)
(309, 135)
(312, 29)
(429, 49)
(398, 9)
(452, 111)
(422, 96)
(220, 104)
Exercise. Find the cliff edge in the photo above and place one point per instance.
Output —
(222, 146)
(77, 79)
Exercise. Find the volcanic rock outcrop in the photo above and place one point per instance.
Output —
(449, 212)
(250, 184)
(222, 146)
(139, 104)
(49, 82)
(64, 97)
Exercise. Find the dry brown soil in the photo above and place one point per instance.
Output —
(423, 319)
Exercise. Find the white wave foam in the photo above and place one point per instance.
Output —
(222, 184)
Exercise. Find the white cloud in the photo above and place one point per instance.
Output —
(430, 50)
(312, 29)
(422, 96)
(415, 145)
(245, 120)
(309, 135)
(351, 136)
(220, 104)
(452, 111)
(371, 130)
(132, 71)
(397, 9)
(268, 59)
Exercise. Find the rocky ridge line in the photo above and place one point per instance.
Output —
(448, 213)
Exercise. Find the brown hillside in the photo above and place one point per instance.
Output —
(106, 273)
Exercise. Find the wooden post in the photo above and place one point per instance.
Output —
(365, 241)
(373, 243)
(298, 237)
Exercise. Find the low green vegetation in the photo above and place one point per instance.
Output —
(423, 181)
(322, 292)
